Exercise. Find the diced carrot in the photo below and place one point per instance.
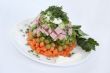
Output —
(74, 45)
(52, 49)
(55, 52)
(49, 53)
(37, 45)
(34, 40)
(37, 50)
(61, 53)
(43, 49)
(29, 42)
(64, 54)
(67, 49)
(46, 53)
(41, 52)
(33, 47)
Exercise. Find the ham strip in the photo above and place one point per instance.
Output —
(50, 31)
(45, 26)
(59, 30)
(44, 31)
(38, 30)
(36, 20)
(61, 36)
(54, 36)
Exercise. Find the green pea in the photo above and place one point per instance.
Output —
(60, 48)
(53, 44)
(42, 39)
(46, 41)
(67, 42)
(48, 46)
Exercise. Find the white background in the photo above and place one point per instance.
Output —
(93, 15)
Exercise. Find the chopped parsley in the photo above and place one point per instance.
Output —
(57, 13)
(54, 12)
(21, 30)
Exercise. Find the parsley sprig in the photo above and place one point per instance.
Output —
(86, 44)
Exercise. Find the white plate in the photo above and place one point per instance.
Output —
(18, 39)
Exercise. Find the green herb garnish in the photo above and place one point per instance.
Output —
(86, 44)
(30, 51)
(56, 12)
(21, 30)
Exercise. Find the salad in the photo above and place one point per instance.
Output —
(52, 34)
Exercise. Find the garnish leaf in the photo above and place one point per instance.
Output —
(76, 27)
(81, 33)
(87, 44)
